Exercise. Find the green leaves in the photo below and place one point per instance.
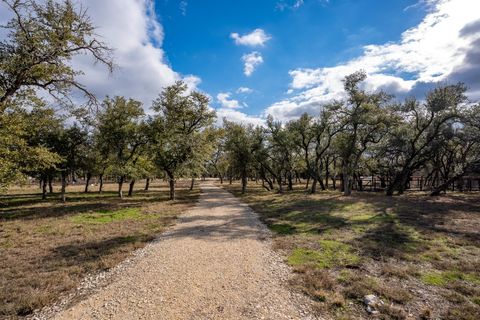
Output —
(43, 39)
(120, 134)
(23, 143)
(180, 134)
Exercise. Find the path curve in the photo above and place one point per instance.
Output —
(215, 263)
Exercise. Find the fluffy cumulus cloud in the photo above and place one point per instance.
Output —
(257, 37)
(229, 110)
(142, 69)
(251, 62)
(237, 116)
(443, 47)
(131, 28)
(224, 99)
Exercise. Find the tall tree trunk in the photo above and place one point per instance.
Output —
(327, 174)
(192, 184)
(50, 184)
(313, 190)
(43, 183)
(244, 180)
(398, 184)
(87, 182)
(120, 186)
(171, 183)
(130, 188)
(221, 178)
(335, 174)
(64, 186)
(290, 182)
(147, 184)
(320, 180)
(347, 190)
(280, 183)
(100, 188)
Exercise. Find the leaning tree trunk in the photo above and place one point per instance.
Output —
(64, 186)
(130, 188)
(87, 182)
(443, 187)
(120, 186)
(147, 184)
(192, 184)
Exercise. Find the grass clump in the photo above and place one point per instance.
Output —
(332, 254)
(443, 278)
(282, 228)
(105, 216)
(476, 300)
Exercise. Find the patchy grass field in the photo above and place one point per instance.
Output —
(419, 255)
(47, 247)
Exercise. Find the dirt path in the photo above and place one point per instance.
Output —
(216, 263)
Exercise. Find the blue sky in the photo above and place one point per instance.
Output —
(281, 57)
(316, 34)
(306, 38)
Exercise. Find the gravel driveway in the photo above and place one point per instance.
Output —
(215, 263)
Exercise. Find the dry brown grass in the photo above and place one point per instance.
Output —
(413, 251)
(48, 247)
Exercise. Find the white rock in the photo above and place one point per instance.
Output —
(370, 300)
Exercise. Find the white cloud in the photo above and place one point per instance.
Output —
(224, 99)
(251, 62)
(244, 90)
(192, 82)
(142, 69)
(257, 37)
(427, 53)
(238, 117)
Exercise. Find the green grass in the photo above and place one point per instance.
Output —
(47, 247)
(332, 254)
(282, 228)
(337, 245)
(444, 278)
(105, 216)
(476, 300)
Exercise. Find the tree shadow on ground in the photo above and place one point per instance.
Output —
(77, 254)
(391, 231)
(80, 203)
